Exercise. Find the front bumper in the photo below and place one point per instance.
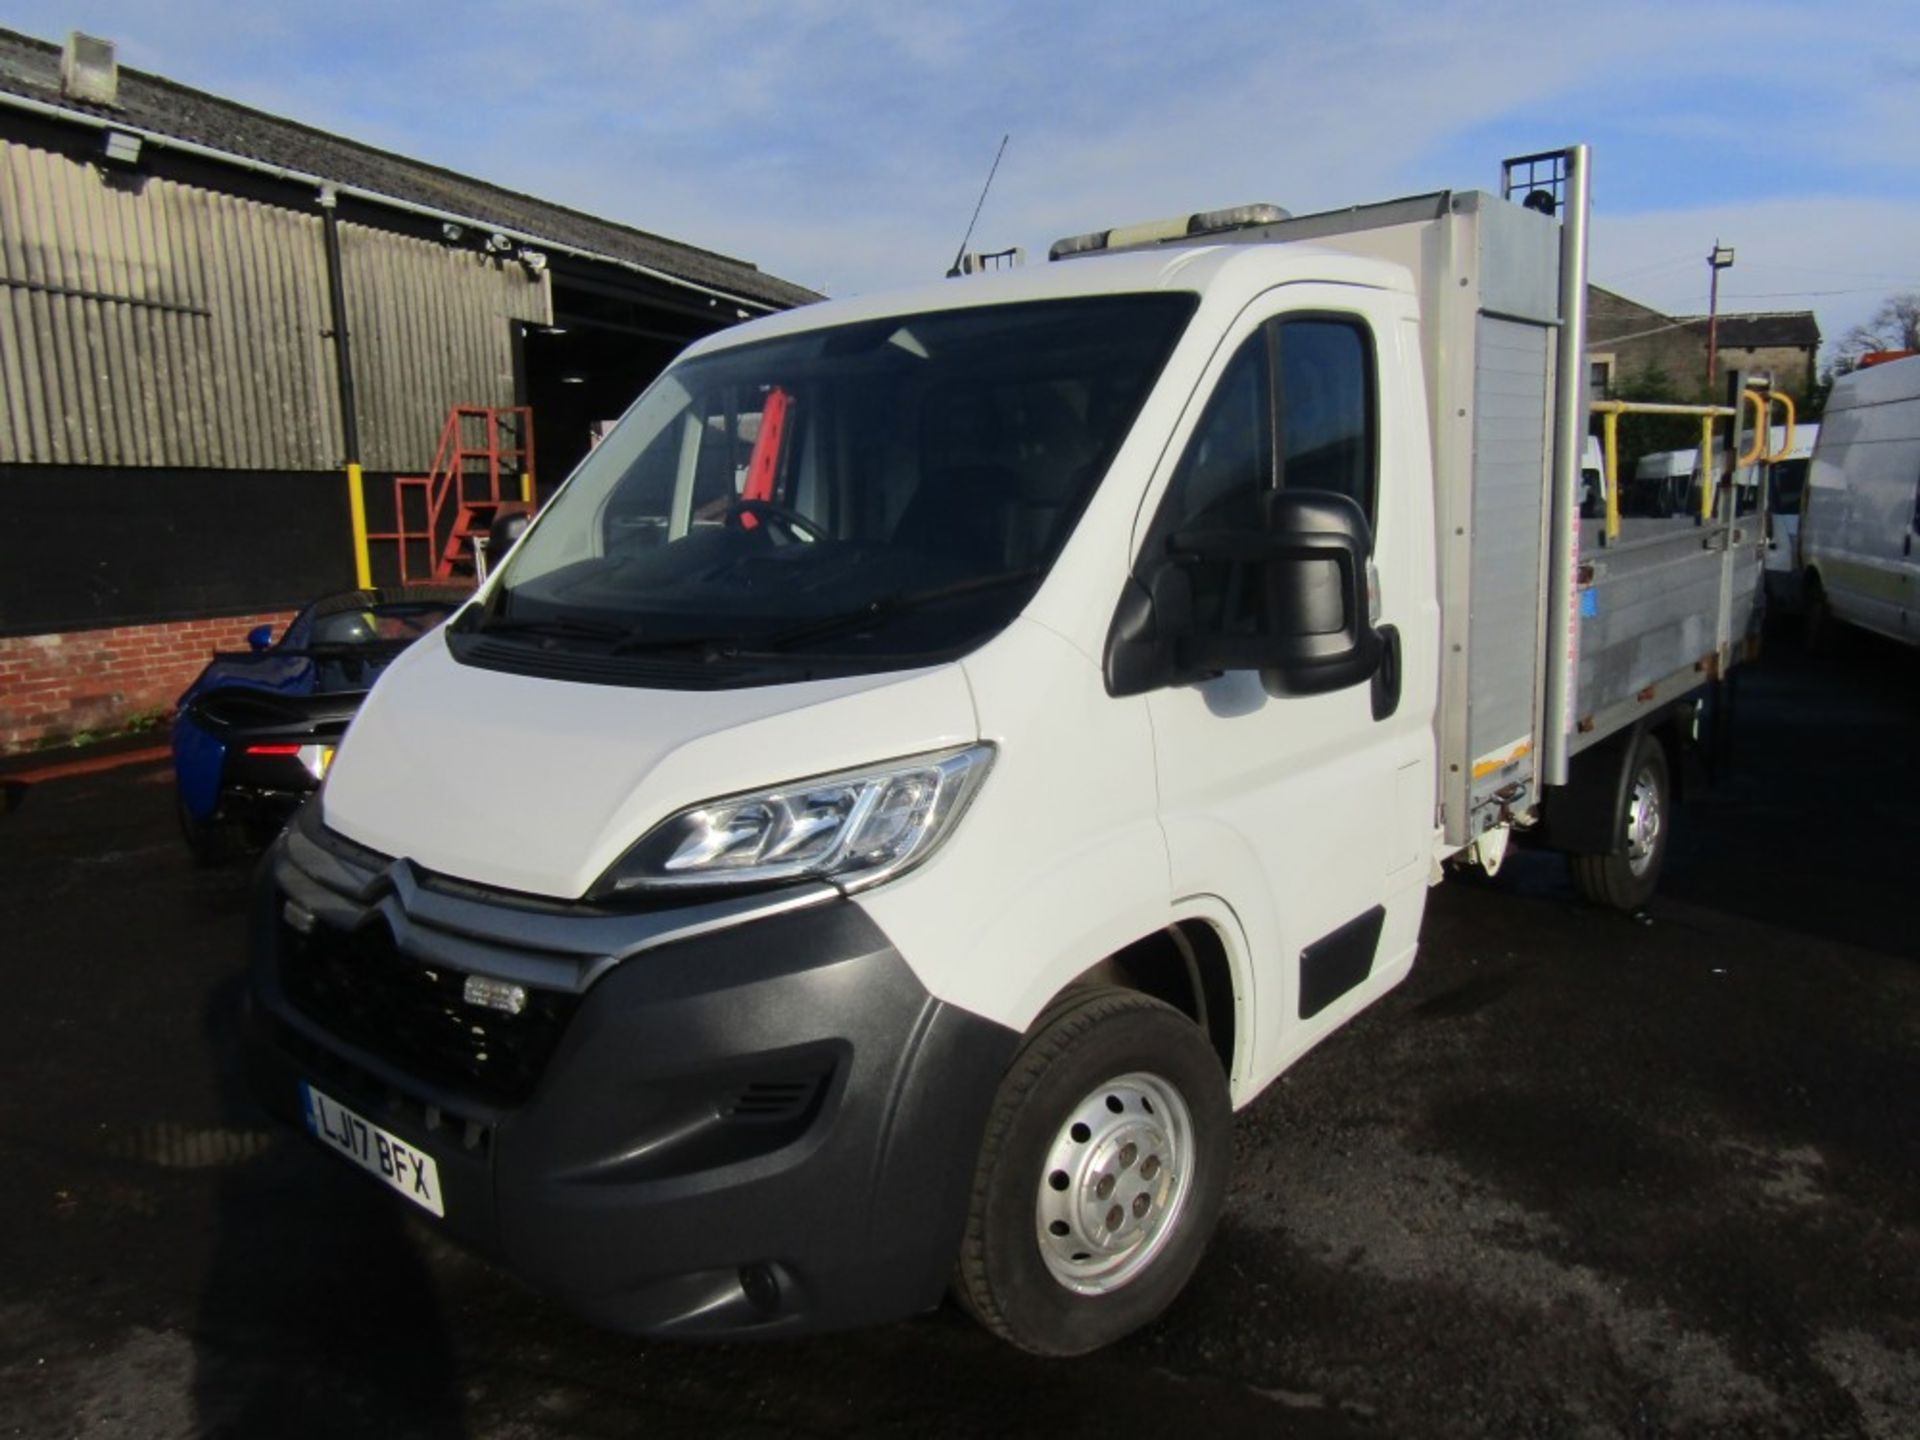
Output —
(745, 1116)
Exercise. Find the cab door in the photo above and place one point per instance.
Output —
(1310, 816)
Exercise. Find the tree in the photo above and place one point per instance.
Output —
(1894, 326)
(1644, 434)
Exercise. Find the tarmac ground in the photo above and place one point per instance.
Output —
(1581, 1175)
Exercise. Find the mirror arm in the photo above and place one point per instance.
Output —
(1150, 624)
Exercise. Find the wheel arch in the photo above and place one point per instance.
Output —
(1194, 964)
(1579, 819)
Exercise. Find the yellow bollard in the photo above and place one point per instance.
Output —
(1706, 467)
(357, 505)
(1611, 423)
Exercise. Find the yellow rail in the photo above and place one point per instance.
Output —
(1760, 437)
(1610, 412)
(1786, 444)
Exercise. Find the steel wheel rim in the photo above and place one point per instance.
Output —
(1114, 1183)
(1643, 821)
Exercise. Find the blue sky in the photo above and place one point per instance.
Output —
(842, 143)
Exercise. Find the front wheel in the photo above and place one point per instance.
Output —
(1101, 1176)
(1626, 879)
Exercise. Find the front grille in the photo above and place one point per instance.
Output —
(359, 987)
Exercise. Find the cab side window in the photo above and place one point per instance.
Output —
(1228, 462)
(1297, 408)
(1230, 457)
(1327, 408)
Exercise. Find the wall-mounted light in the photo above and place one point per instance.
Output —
(451, 232)
(498, 243)
(121, 148)
(534, 260)
(573, 379)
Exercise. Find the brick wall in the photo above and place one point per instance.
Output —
(56, 686)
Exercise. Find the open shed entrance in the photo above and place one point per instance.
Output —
(605, 345)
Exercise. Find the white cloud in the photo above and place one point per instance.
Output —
(1792, 253)
(842, 143)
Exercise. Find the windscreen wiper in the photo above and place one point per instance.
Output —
(887, 606)
(559, 626)
(619, 639)
(634, 642)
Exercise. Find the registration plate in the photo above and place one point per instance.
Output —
(378, 1152)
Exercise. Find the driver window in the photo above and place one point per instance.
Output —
(1228, 462)
(1326, 408)
(1295, 409)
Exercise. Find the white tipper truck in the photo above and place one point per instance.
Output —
(946, 751)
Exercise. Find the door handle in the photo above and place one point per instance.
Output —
(1386, 678)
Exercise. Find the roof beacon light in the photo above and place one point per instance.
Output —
(1160, 232)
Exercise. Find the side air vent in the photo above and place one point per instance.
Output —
(771, 1101)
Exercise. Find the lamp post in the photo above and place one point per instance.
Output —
(1719, 258)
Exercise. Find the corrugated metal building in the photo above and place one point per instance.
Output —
(178, 405)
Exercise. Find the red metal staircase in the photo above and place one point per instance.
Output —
(483, 469)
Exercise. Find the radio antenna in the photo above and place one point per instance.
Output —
(960, 255)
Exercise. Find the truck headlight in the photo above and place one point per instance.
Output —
(855, 828)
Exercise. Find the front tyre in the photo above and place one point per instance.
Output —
(1101, 1175)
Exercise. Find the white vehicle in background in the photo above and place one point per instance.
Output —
(945, 751)
(1786, 490)
(1593, 480)
(1860, 532)
(1663, 483)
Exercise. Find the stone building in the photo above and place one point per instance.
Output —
(1626, 339)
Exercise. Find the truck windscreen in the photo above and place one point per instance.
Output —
(888, 488)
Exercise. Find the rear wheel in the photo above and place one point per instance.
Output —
(1101, 1176)
(1626, 879)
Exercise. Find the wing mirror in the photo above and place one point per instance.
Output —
(260, 637)
(508, 526)
(1307, 626)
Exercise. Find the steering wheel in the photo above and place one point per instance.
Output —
(790, 520)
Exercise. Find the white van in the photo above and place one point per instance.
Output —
(1786, 492)
(1664, 483)
(945, 751)
(1593, 480)
(1857, 540)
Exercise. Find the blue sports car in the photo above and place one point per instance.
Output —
(255, 733)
